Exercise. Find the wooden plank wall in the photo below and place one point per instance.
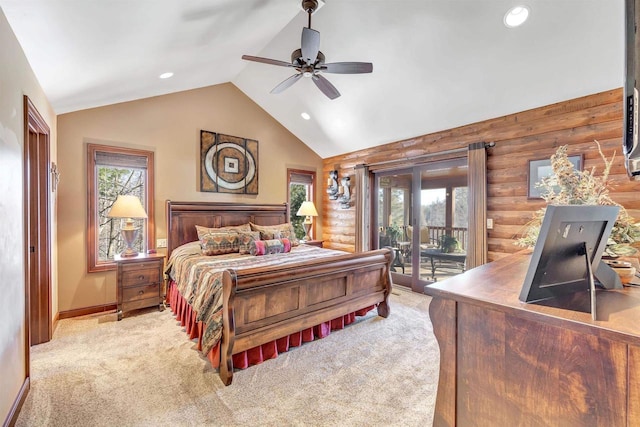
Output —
(520, 137)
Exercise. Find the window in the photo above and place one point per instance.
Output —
(434, 203)
(461, 207)
(112, 171)
(300, 188)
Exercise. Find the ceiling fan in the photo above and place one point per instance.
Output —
(309, 61)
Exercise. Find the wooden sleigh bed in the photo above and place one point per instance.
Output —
(264, 304)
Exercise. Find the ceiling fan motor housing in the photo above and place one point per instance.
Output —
(309, 6)
(296, 58)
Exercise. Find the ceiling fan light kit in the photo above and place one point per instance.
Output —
(308, 61)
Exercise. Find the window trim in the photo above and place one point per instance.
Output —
(311, 173)
(93, 265)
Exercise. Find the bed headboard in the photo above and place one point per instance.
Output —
(182, 218)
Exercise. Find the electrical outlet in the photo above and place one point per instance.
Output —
(161, 243)
(489, 224)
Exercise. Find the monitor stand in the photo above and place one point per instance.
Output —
(607, 277)
(592, 285)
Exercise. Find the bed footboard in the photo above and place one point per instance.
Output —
(263, 304)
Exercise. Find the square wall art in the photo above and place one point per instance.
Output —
(228, 164)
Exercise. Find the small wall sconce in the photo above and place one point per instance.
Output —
(332, 185)
(55, 177)
(345, 193)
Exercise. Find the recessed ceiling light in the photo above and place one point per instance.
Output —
(305, 116)
(165, 75)
(516, 16)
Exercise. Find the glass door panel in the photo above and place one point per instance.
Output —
(393, 216)
(442, 217)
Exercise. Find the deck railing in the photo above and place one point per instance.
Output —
(435, 235)
(460, 233)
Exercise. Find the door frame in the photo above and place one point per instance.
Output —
(37, 220)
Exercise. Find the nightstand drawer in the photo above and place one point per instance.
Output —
(141, 303)
(140, 276)
(140, 292)
(135, 266)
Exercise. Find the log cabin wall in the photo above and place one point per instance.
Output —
(528, 135)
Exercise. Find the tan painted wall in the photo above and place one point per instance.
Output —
(16, 80)
(169, 125)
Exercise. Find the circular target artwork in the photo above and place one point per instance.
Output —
(229, 164)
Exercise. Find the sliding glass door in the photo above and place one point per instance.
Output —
(421, 213)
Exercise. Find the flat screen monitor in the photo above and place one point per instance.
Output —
(558, 264)
(631, 145)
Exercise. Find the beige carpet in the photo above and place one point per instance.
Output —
(143, 371)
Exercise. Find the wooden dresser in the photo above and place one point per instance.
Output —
(139, 282)
(508, 363)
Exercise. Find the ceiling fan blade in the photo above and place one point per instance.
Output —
(310, 45)
(325, 86)
(286, 83)
(347, 67)
(266, 61)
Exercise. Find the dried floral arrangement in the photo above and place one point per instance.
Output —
(568, 186)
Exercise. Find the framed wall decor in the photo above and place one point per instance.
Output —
(539, 169)
(228, 164)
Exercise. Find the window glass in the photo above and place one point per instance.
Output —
(113, 181)
(460, 207)
(398, 207)
(434, 206)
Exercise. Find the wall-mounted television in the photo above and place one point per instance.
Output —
(567, 253)
(630, 145)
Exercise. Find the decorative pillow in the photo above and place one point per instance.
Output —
(219, 243)
(280, 231)
(244, 240)
(268, 247)
(237, 228)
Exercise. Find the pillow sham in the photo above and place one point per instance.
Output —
(280, 231)
(237, 228)
(268, 247)
(219, 243)
(244, 240)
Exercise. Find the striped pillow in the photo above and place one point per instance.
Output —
(245, 238)
(219, 243)
(280, 231)
(236, 228)
(268, 247)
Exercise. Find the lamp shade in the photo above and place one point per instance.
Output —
(307, 209)
(127, 207)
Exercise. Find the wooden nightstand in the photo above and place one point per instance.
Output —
(139, 282)
(317, 243)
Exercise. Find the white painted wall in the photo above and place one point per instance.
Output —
(16, 80)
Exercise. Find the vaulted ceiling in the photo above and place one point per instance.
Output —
(437, 64)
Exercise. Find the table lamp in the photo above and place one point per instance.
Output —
(128, 208)
(307, 209)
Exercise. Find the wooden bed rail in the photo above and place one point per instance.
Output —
(267, 303)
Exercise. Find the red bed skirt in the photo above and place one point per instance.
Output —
(187, 318)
